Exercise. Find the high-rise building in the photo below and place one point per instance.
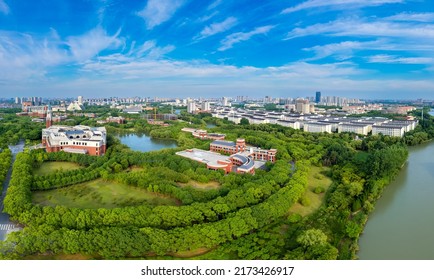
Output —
(191, 107)
(80, 100)
(318, 97)
(225, 101)
(205, 106)
(302, 106)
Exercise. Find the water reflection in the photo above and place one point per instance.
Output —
(144, 143)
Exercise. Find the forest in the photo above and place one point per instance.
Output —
(246, 217)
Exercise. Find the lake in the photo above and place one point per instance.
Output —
(144, 143)
(402, 224)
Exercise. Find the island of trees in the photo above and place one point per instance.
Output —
(312, 203)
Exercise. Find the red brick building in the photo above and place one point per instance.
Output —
(77, 139)
(231, 148)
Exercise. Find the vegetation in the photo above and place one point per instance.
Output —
(49, 167)
(333, 179)
(5, 163)
(100, 194)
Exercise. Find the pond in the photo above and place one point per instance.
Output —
(144, 143)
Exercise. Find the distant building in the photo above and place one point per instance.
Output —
(318, 97)
(191, 107)
(133, 110)
(317, 127)
(289, 123)
(357, 128)
(74, 106)
(203, 134)
(119, 120)
(225, 102)
(390, 130)
(205, 107)
(302, 106)
(77, 139)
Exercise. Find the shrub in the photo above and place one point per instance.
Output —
(319, 190)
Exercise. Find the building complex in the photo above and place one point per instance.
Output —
(241, 159)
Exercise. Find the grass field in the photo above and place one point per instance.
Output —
(100, 194)
(316, 178)
(50, 167)
(202, 186)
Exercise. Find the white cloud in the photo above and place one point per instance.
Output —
(356, 27)
(24, 57)
(338, 4)
(238, 37)
(384, 58)
(4, 8)
(158, 11)
(342, 50)
(420, 17)
(218, 27)
(214, 4)
(92, 43)
(208, 17)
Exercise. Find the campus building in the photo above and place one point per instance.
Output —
(76, 139)
(203, 134)
(240, 146)
(241, 159)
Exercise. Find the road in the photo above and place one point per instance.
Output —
(5, 224)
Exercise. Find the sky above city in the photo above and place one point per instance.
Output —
(215, 48)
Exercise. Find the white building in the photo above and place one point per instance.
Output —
(302, 106)
(74, 106)
(76, 139)
(205, 107)
(317, 127)
(362, 129)
(226, 102)
(390, 130)
(289, 123)
(191, 107)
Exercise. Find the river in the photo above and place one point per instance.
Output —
(144, 143)
(402, 224)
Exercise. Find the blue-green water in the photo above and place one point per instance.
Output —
(402, 224)
(144, 143)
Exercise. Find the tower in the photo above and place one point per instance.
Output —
(318, 97)
(48, 118)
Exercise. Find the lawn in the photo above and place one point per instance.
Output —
(316, 178)
(50, 167)
(101, 194)
(202, 186)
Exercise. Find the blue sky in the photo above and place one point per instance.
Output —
(192, 48)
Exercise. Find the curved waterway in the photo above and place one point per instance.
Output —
(402, 225)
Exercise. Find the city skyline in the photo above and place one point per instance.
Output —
(185, 48)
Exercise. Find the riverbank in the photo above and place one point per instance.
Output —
(401, 227)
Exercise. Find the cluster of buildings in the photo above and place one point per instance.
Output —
(319, 123)
(227, 155)
(119, 120)
(74, 139)
(194, 107)
(203, 134)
